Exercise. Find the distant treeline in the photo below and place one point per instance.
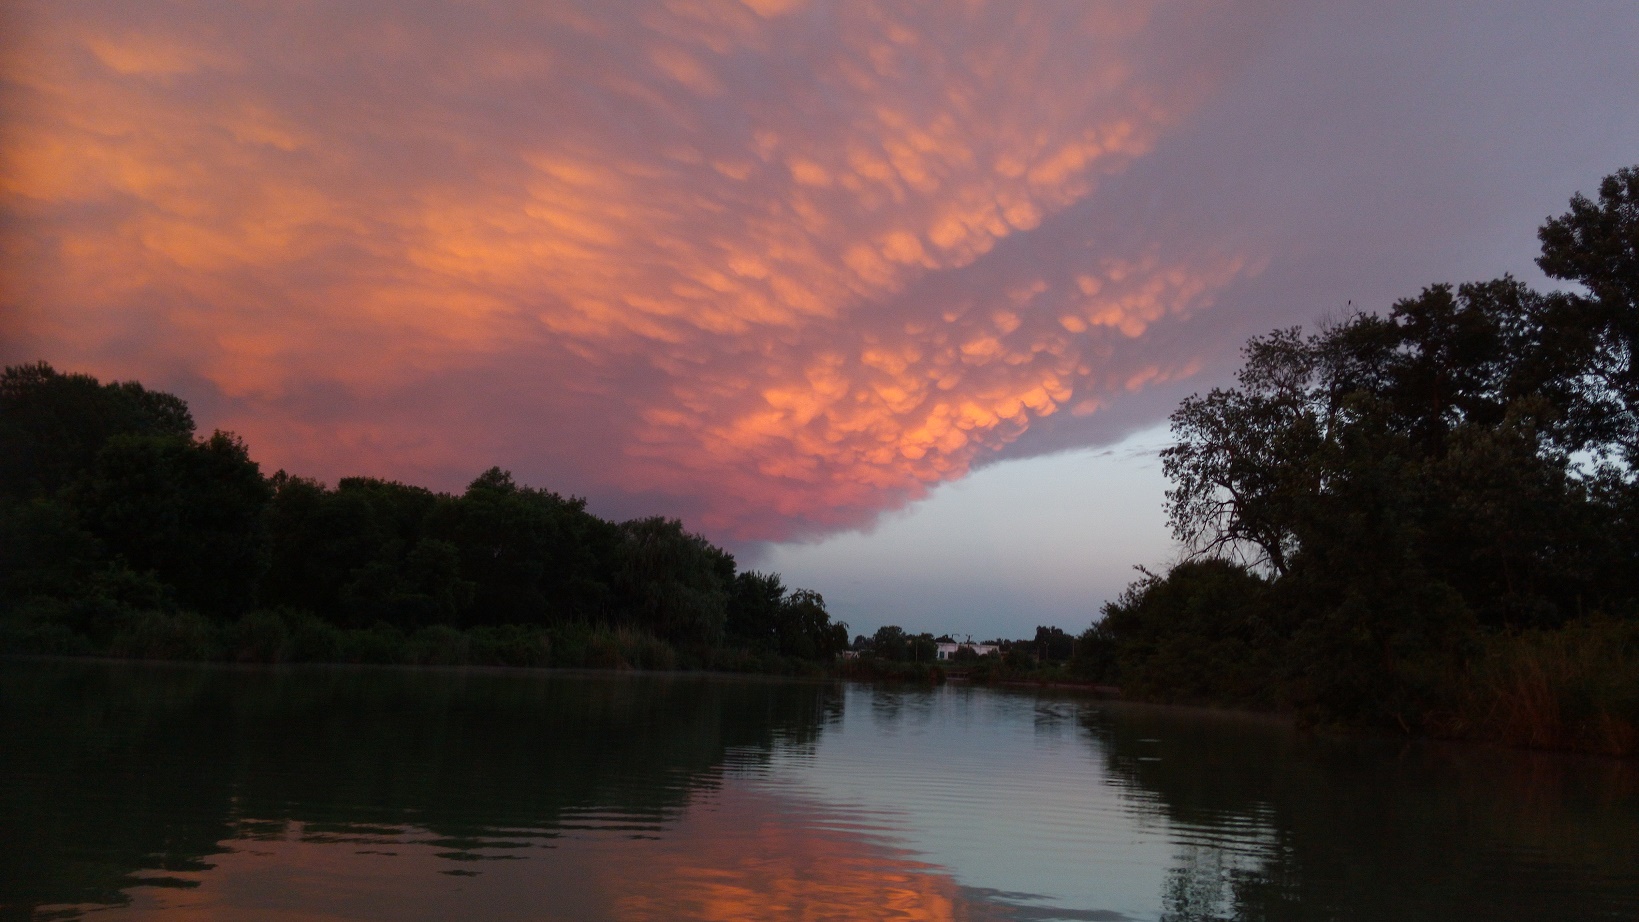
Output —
(894, 644)
(123, 533)
(894, 653)
(1427, 521)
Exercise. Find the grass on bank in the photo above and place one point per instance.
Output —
(1576, 688)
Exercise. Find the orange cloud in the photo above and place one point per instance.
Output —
(747, 257)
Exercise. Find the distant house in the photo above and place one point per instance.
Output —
(948, 650)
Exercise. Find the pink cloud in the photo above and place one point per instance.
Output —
(778, 265)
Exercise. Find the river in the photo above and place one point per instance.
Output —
(151, 791)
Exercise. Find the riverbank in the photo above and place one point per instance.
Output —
(272, 637)
(1574, 690)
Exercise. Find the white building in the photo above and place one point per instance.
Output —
(948, 650)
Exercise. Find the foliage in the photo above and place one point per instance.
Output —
(1053, 645)
(1574, 688)
(1371, 505)
(190, 512)
(892, 644)
(122, 533)
(1196, 635)
(673, 581)
(166, 636)
(53, 425)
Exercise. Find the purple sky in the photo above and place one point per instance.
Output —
(779, 268)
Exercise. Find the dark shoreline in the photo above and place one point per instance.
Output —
(1102, 693)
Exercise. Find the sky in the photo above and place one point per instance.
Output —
(893, 298)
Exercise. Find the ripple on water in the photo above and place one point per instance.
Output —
(398, 795)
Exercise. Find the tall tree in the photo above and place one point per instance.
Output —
(1596, 244)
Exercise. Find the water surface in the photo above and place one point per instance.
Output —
(133, 791)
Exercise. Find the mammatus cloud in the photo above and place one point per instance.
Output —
(782, 265)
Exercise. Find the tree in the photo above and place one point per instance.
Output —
(1336, 437)
(1368, 500)
(535, 556)
(1246, 457)
(1052, 644)
(754, 606)
(1596, 244)
(52, 425)
(189, 511)
(805, 629)
(1193, 635)
(922, 648)
(891, 643)
(417, 588)
(674, 583)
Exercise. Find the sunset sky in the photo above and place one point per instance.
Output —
(893, 298)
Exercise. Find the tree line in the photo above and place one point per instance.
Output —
(895, 653)
(892, 643)
(1426, 520)
(122, 531)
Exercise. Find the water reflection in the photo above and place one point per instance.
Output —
(122, 775)
(1269, 824)
(315, 793)
(736, 855)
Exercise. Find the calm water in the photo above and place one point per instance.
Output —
(184, 792)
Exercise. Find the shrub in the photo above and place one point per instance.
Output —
(509, 645)
(260, 636)
(1198, 634)
(439, 645)
(42, 638)
(166, 636)
(382, 644)
(312, 639)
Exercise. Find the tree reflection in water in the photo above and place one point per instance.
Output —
(224, 793)
(117, 775)
(1272, 824)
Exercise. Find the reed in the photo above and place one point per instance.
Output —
(1575, 688)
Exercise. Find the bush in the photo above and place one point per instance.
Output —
(439, 645)
(742, 659)
(510, 645)
(260, 636)
(42, 638)
(625, 648)
(605, 647)
(312, 639)
(1200, 634)
(649, 652)
(382, 644)
(166, 636)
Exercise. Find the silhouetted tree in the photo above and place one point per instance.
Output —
(675, 583)
(52, 425)
(189, 511)
(1366, 499)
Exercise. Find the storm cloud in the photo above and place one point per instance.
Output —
(775, 266)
